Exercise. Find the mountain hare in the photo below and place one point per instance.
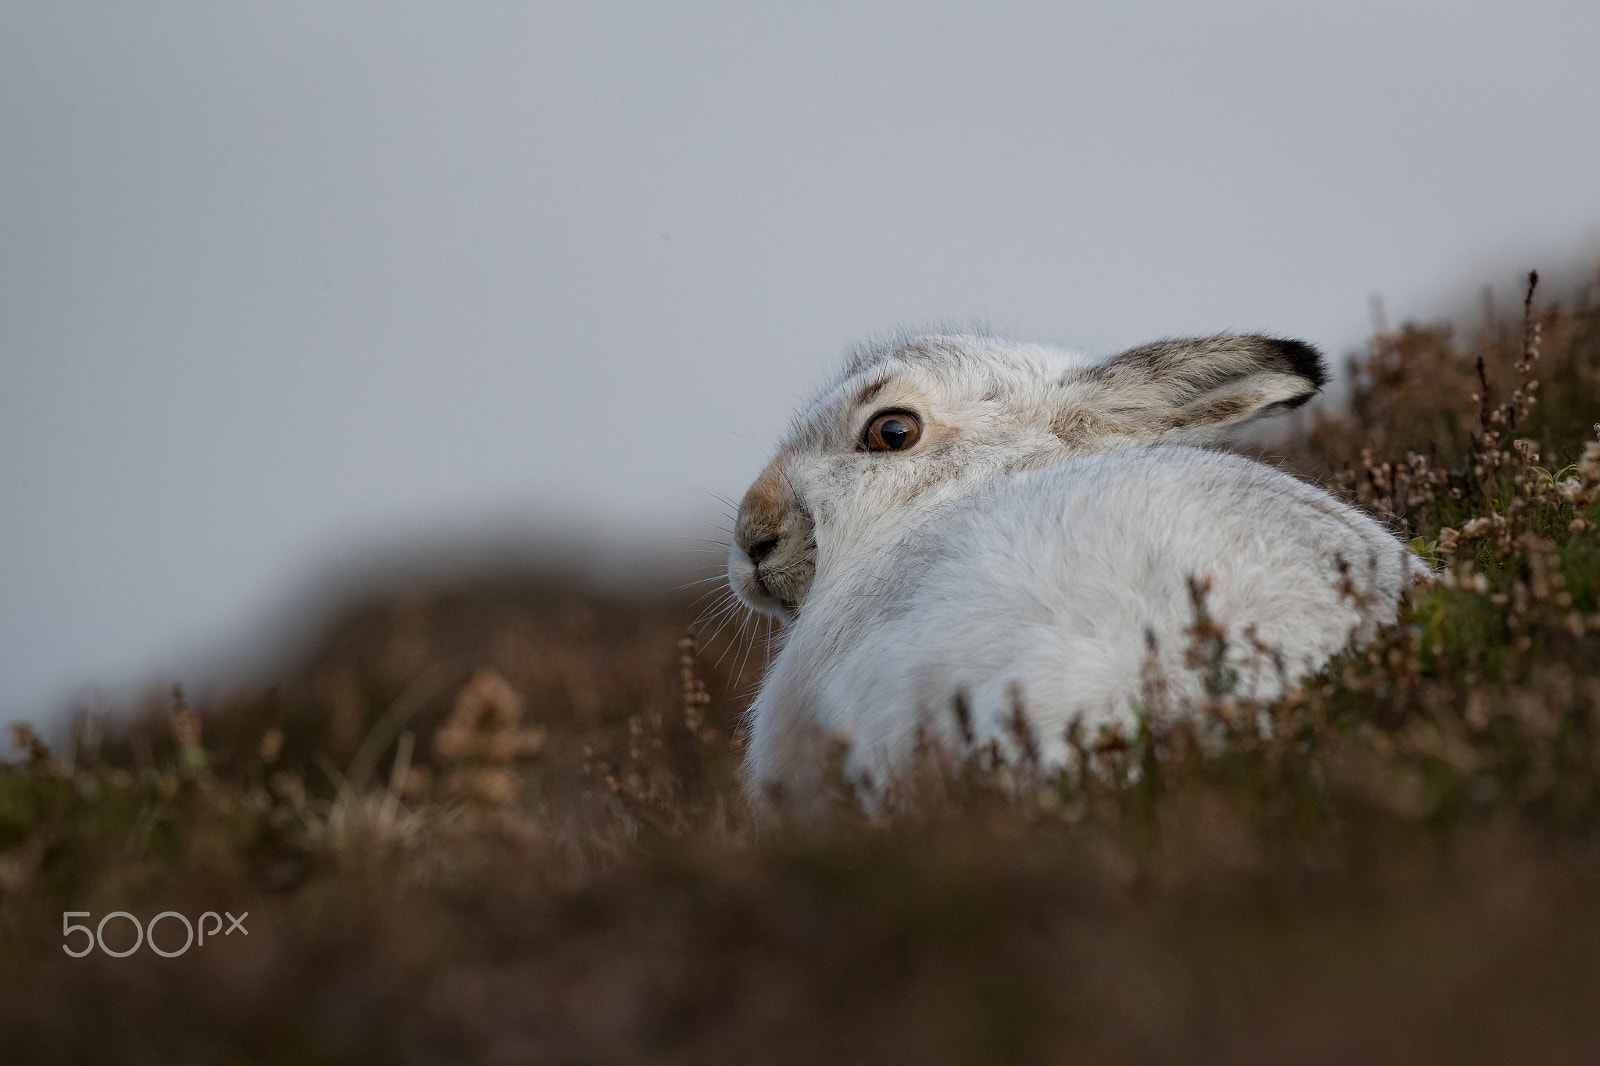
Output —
(963, 519)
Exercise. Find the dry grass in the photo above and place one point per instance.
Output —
(504, 823)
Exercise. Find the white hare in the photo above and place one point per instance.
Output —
(962, 518)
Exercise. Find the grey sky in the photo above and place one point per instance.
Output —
(279, 286)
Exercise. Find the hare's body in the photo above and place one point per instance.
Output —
(1057, 590)
(963, 518)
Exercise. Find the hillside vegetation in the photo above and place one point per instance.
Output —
(503, 822)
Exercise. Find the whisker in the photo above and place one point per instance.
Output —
(719, 497)
(738, 674)
(734, 643)
(759, 634)
(700, 581)
(721, 614)
(707, 594)
(717, 633)
(715, 609)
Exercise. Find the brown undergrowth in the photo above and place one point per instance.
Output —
(504, 822)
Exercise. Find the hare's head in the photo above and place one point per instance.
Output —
(914, 423)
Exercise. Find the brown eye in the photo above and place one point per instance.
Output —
(892, 431)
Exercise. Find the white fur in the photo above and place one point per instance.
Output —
(1035, 546)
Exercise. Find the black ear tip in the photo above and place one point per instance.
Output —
(1303, 359)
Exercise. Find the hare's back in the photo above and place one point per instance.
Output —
(1058, 582)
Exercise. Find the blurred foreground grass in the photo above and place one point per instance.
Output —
(504, 823)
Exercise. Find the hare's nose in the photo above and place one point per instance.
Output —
(760, 551)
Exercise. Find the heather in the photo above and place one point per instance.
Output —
(502, 820)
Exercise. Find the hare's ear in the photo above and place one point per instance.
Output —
(1196, 389)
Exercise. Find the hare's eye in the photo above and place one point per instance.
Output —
(892, 431)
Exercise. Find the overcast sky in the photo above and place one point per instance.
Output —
(283, 286)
